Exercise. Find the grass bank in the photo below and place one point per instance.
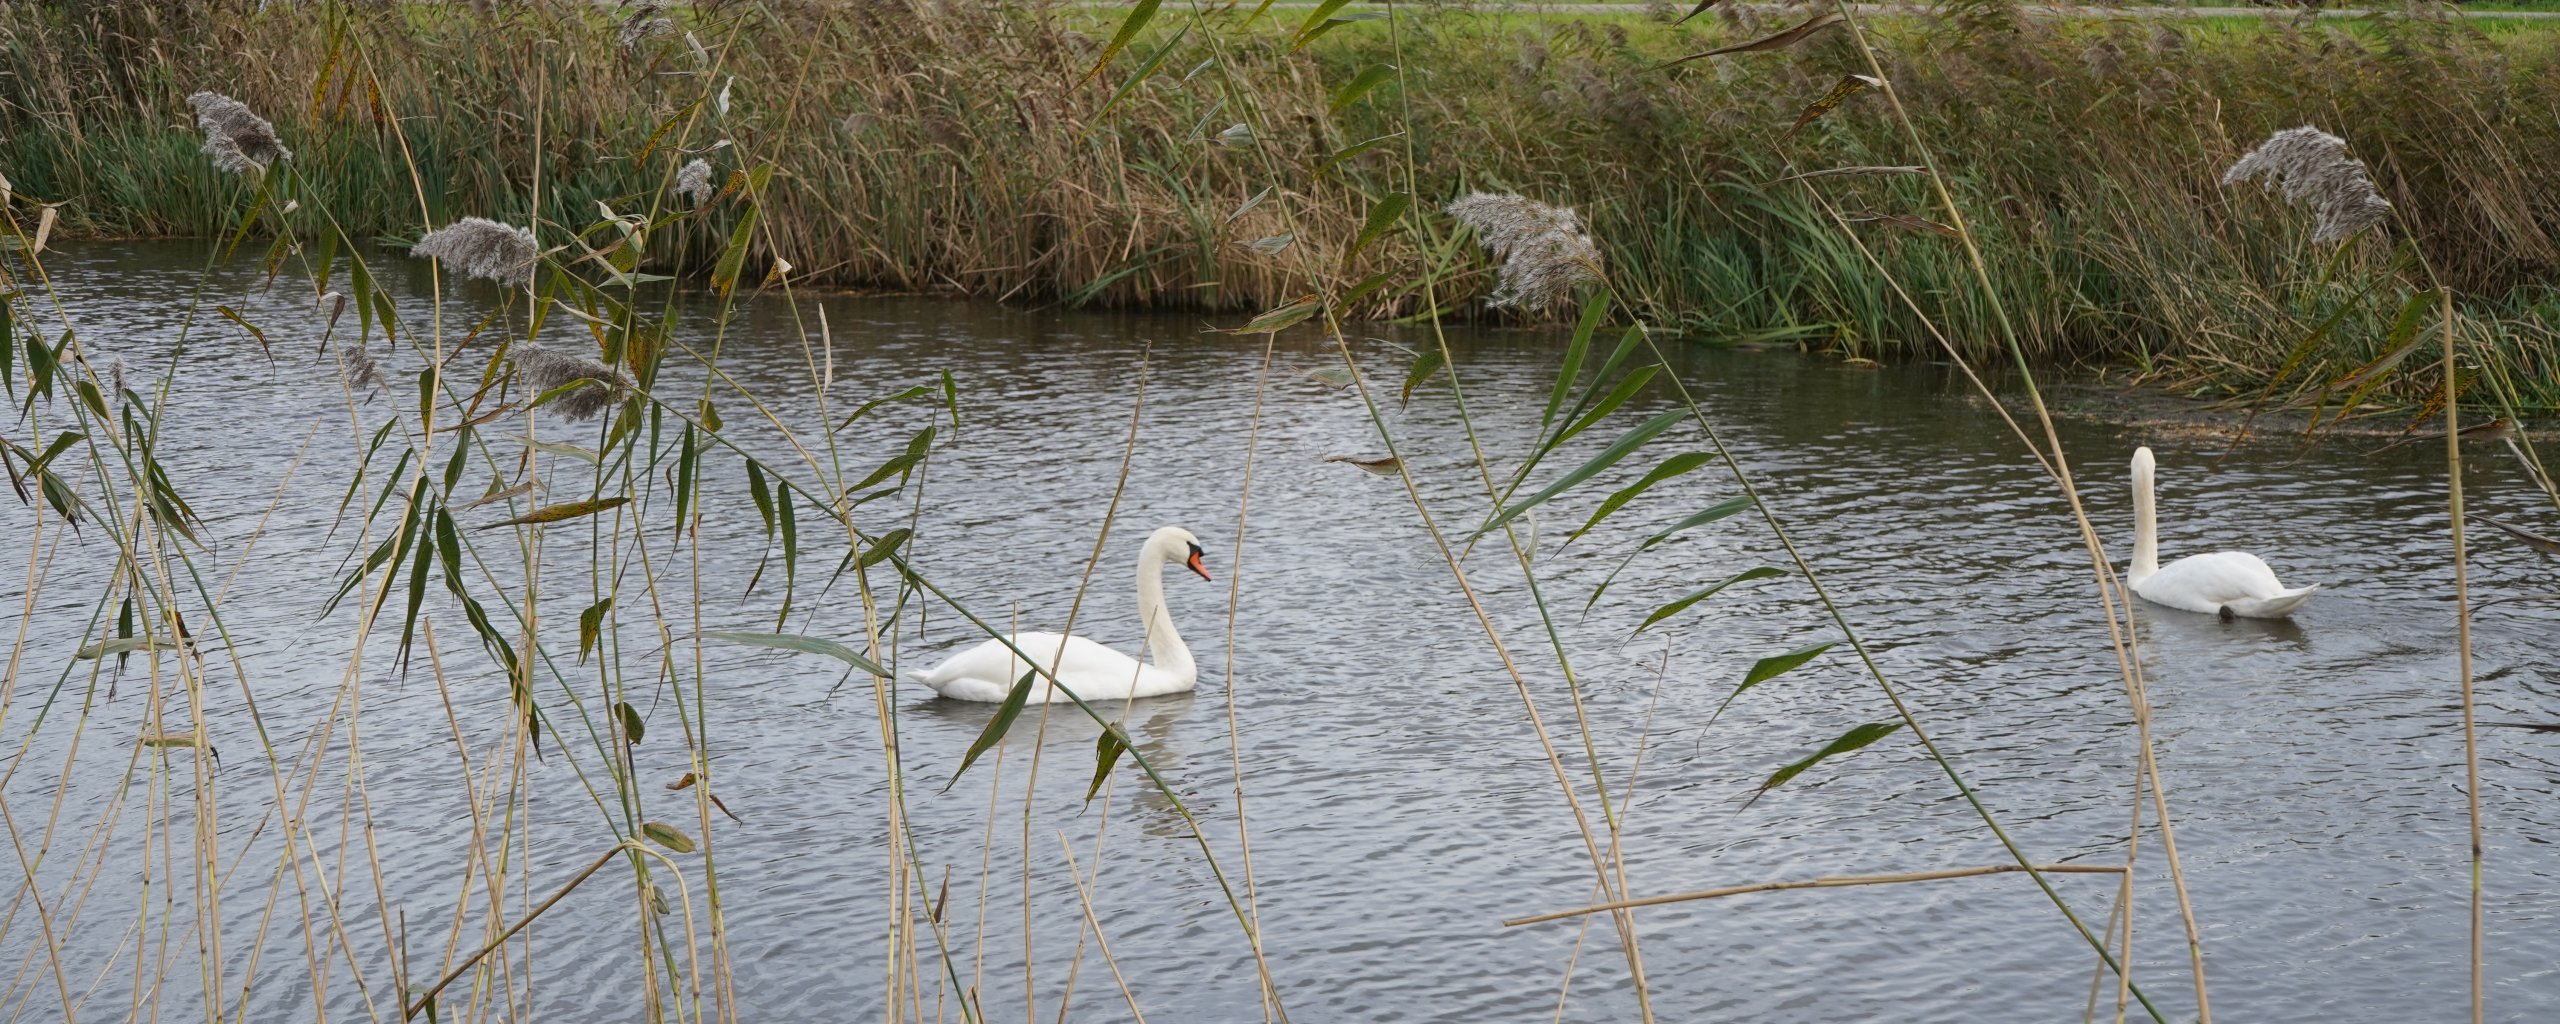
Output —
(964, 150)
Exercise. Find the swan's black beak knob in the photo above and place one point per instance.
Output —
(1194, 562)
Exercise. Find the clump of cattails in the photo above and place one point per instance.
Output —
(597, 386)
(2313, 169)
(236, 138)
(1545, 253)
(693, 183)
(482, 248)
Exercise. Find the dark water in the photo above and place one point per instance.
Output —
(1398, 802)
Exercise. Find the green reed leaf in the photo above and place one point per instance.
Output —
(565, 510)
(733, 258)
(1713, 512)
(591, 626)
(632, 727)
(1626, 444)
(1848, 741)
(234, 316)
(1107, 749)
(1681, 605)
(1369, 78)
(993, 734)
(120, 646)
(1282, 317)
(1355, 149)
(1593, 313)
(803, 645)
(917, 391)
(1146, 69)
(918, 448)
(1139, 15)
(667, 835)
(1776, 665)
(1315, 24)
(1423, 368)
(1671, 467)
(1778, 41)
(1383, 215)
(880, 550)
(763, 495)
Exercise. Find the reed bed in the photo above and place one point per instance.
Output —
(963, 148)
(526, 507)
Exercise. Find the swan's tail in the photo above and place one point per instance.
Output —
(2278, 606)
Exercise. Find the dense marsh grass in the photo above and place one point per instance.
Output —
(2048, 191)
(961, 148)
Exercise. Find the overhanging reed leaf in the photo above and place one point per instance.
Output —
(1146, 69)
(733, 257)
(1712, 513)
(1848, 741)
(1355, 149)
(1671, 467)
(1683, 604)
(1107, 749)
(804, 645)
(1383, 216)
(233, 315)
(1777, 665)
(1139, 15)
(1281, 318)
(1249, 204)
(880, 549)
(1626, 444)
(1779, 41)
(121, 645)
(591, 626)
(1369, 78)
(1271, 245)
(667, 835)
(1701, 8)
(1593, 313)
(997, 726)
(1424, 367)
(565, 510)
(2539, 543)
(632, 727)
(1849, 85)
(1383, 467)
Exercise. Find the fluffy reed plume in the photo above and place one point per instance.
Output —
(482, 248)
(361, 371)
(543, 370)
(693, 183)
(2313, 169)
(1544, 251)
(641, 22)
(237, 139)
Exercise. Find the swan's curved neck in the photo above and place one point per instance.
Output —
(1164, 645)
(2146, 535)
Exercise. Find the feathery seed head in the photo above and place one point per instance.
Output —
(643, 20)
(693, 183)
(361, 371)
(599, 386)
(236, 138)
(1544, 251)
(482, 248)
(2313, 169)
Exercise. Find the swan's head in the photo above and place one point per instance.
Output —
(1177, 542)
(2142, 460)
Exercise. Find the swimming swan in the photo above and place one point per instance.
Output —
(2225, 583)
(988, 671)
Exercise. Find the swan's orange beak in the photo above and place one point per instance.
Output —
(1194, 563)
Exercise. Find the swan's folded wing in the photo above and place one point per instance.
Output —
(2206, 583)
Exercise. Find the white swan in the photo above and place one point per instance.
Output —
(988, 671)
(2225, 583)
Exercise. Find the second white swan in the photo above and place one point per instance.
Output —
(2225, 583)
(988, 671)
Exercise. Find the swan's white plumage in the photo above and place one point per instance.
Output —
(2224, 582)
(987, 672)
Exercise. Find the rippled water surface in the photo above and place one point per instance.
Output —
(1399, 804)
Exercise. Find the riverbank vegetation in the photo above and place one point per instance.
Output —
(527, 506)
(968, 151)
